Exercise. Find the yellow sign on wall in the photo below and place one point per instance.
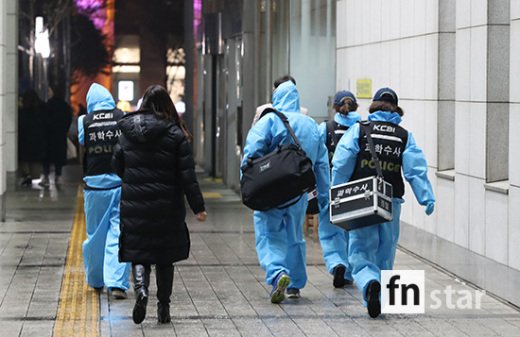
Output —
(364, 88)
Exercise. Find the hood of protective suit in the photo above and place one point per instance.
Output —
(143, 126)
(286, 98)
(385, 116)
(99, 98)
(347, 120)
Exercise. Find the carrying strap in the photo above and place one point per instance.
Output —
(332, 138)
(292, 203)
(285, 122)
(366, 129)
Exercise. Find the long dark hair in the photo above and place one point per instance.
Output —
(157, 100)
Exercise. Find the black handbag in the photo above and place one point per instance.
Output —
(278, 177)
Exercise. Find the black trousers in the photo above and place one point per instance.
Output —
(164, 280)
(47, 168)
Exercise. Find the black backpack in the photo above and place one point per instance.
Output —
(278, 177)
(332, 139)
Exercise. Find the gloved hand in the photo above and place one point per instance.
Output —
(429, 208)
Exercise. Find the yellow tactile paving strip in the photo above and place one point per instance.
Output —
(78, 311)
(211, 195)
(214, 180)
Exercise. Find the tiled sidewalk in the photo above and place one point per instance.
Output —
(219, 291)
(33, 245)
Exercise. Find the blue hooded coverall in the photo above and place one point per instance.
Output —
(100, 249)
(372, 248)
(333, 239)
(280, 245)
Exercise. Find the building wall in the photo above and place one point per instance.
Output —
(449, 62)
(481, 114)
(395, 44)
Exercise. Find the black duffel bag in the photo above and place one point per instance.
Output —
(278, 177)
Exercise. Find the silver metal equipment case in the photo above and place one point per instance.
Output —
(361, 203)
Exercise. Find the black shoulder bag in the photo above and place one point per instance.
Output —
(278, 177)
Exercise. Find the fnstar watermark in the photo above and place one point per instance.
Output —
(404, 292)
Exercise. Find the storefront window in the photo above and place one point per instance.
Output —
(313, 52)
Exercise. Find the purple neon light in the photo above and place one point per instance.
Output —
(197, 15)
(94, 9)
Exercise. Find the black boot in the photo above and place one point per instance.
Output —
(163, 313)
(141, 276)
(164, 277)
(339, 276)
(373, 303)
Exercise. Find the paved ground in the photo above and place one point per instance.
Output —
(219, 291)
(33, 246)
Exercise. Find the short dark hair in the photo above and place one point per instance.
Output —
(385, 106)
(283, 79)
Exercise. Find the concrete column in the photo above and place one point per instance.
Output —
(497, 91)
(445, 189)
(250, 65)
(3, 77)
(268, 50)
(514, 137)
(11, 85)
(446, 88)
(514, 90)
(189, 48)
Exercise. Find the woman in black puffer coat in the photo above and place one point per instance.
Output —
(154, 160)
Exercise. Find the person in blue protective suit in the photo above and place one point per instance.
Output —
(98, 132)
(372, 248)
(333, 239)
(280, 245)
